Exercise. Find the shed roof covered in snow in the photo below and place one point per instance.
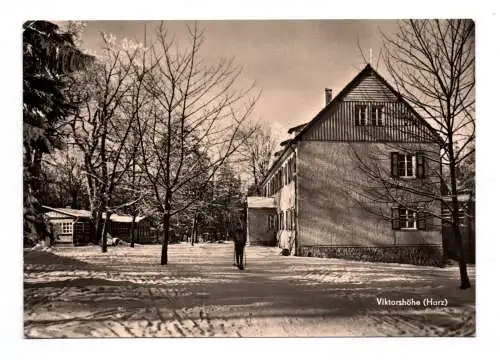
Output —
(57, 213)
(260, 202)
(66, 212)
(125, 218)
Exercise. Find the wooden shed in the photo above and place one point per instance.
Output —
(69, 226)
(73, 227)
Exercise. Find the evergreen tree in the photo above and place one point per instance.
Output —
(49, 55)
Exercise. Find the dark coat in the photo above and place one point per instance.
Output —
(239, 238)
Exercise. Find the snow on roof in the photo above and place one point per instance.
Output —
(77, 213)
(460, 197)
(260, 202)
(125, 218)
(57, 212)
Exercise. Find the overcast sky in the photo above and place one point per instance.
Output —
(291, 61)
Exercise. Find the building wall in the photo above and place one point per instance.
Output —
(61, 237)
(143, 233)
(333, 210)
(259, 230)
(82, 230)
(285, 199)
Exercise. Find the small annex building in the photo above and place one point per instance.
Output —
(261, 221)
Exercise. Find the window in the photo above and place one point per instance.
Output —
(462, 218)
(408, 219)
(407, 165)
(66, 228)
(361, 114)
(377, 115)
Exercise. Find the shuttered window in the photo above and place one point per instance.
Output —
(422, 219)
(462, 218)
(396, 225)
(420, 166)
(394, 164)
(407, 165)
(408, 219)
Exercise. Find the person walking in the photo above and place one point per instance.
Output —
(239, 246)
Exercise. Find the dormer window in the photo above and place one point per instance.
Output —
(377, 115)
(361, 114)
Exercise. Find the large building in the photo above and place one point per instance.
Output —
(364, 141)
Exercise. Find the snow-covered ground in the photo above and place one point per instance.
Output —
(81, 292)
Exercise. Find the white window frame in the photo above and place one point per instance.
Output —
(407, 159)
(361, 121)
(379, 115)
(404, 218)
(66, 228)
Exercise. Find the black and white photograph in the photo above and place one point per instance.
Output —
(249, 178)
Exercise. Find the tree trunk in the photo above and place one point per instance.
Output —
(36, 173)
(132, 231)
(74, 199)
(193, 230)
(104, 232)
(166, 237)
(34, 227)
(464, 278)
(97, 224)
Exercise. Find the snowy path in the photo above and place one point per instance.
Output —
(80, 292)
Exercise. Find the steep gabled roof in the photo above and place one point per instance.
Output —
(368, 70)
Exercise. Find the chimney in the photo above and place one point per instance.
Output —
(328, 96)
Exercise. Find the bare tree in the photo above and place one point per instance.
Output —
(63, 182)
(257, 154)
(103, 126)
(196, 113)
(431, 65)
